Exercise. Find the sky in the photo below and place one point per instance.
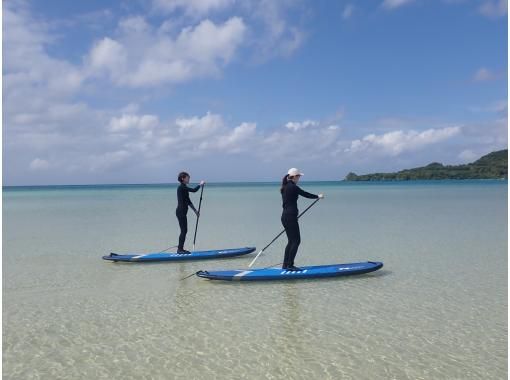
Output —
(105, 92)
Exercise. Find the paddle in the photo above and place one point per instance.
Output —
(198, 216)
(166, 249)
(280, 234)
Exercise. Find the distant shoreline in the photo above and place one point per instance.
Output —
(491, 166)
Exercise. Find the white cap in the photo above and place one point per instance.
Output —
(294, 172)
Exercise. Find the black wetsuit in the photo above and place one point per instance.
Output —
(181, 211)
(290, 213)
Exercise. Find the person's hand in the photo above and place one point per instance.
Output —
(198, 214)
(321, 196)
(202, 183)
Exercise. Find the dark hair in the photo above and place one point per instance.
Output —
(181, 176)
(285, 180)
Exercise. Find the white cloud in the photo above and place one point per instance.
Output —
(393, 4)
(144, 56)
(272, 33)
(39, 164)
(125, 122)
(348, 11)
(397, 142)
(234, 141)
(296, 126)
(140, 54)
(182, 138)
(132, 142)
(29, 72)
(494, 8)
(201, 136)
(208, 41)
(108, 54)
(40, 117)
(307, 143)
(41, 114)
(199, 127)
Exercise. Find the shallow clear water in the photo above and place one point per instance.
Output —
(437, 310)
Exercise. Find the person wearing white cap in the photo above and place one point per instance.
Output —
(290, 192)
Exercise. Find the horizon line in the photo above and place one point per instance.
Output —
(159, 183)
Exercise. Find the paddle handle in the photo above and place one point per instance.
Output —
(198, 216)
(280, 234)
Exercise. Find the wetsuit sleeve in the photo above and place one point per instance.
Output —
(193, 189)
(306, 194)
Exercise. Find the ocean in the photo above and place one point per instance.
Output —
(436, 310)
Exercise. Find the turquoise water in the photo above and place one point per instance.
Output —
(437, 310)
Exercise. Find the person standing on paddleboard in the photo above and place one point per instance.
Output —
(183, 202)
(290, 192)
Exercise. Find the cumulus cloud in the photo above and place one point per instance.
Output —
(234, 141)
(393, 4)
(146, 137)
(108, 54)
(396, 142)
(29, 72)
(135, 139)
(144, 56)
(42, 116)
(494, 8)
(201, 136)
(199, 127)
(296, 126)
(270, 32)
(306, 140)
(125, 122)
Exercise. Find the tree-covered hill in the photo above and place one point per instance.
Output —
(491, 166)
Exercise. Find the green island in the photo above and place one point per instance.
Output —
(491, 166)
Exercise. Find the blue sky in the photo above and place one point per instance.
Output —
(233, 90)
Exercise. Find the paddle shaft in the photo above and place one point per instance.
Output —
(280, 234)
(198, 216)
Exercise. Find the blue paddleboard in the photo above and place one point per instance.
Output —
(171, 256)
(265, 274)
